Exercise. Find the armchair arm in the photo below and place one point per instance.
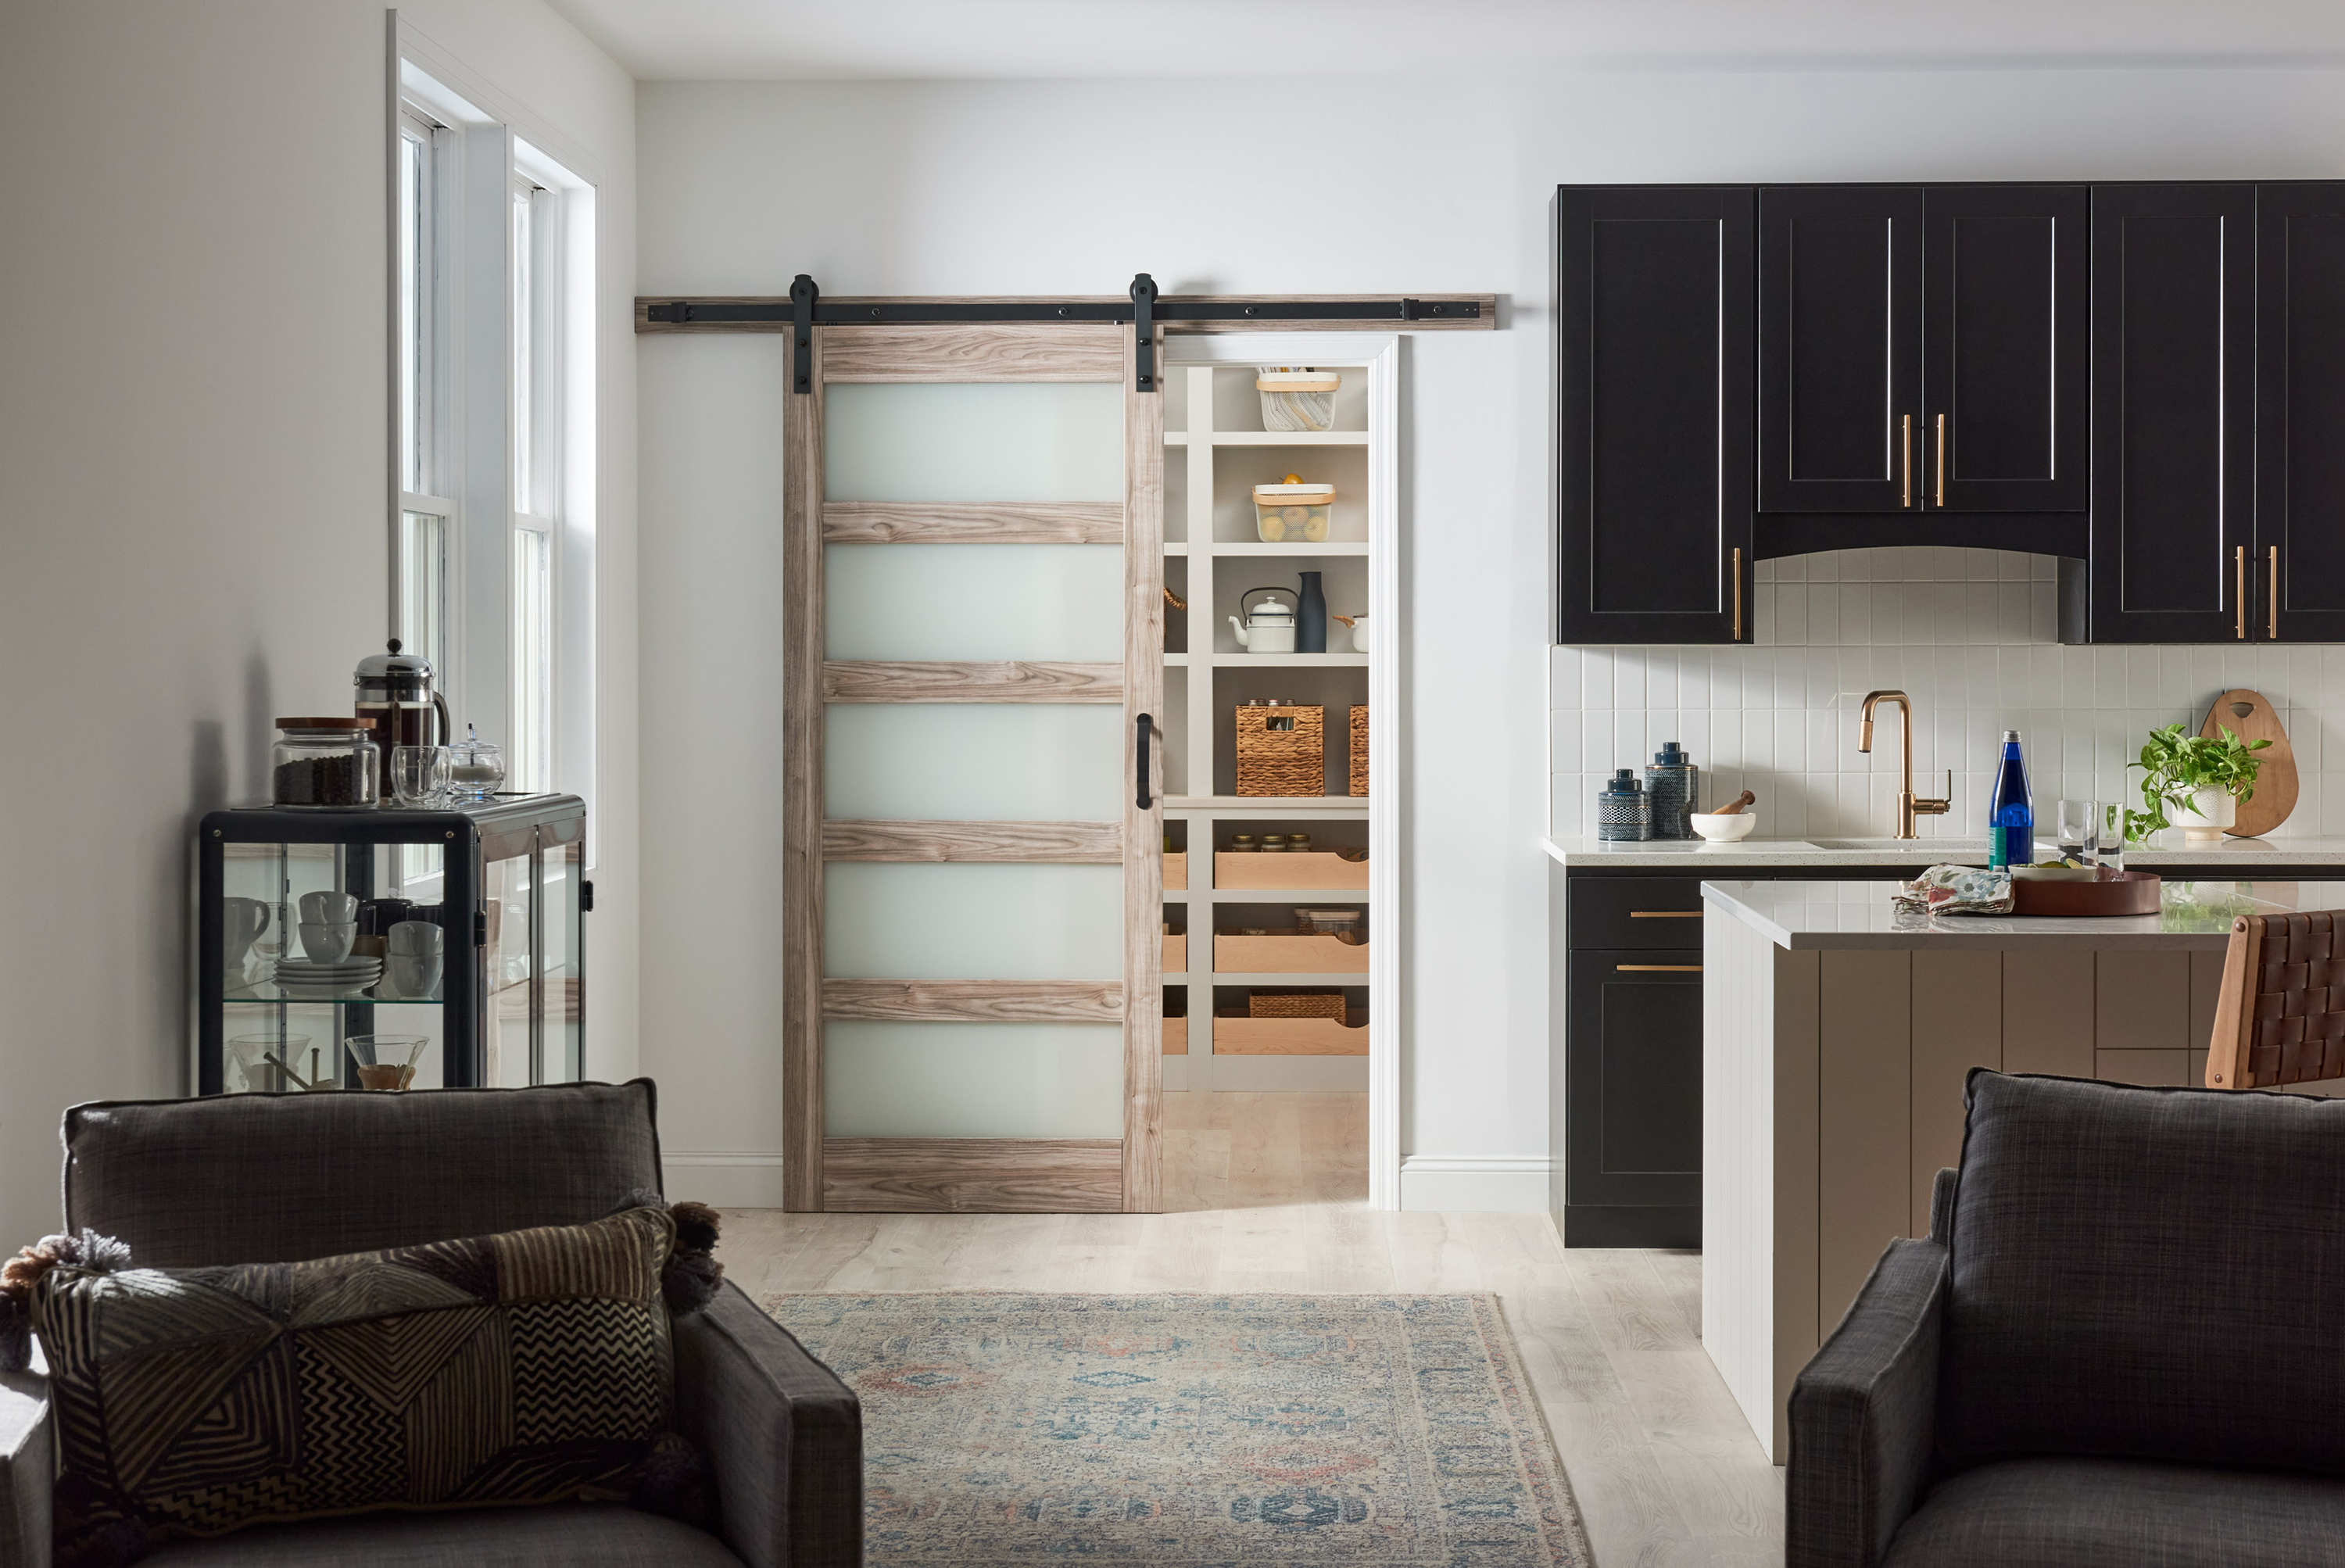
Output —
(782, 1434)
(27, 1470)
(1864, 1416)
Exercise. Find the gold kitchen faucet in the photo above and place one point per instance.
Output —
(1909, 805)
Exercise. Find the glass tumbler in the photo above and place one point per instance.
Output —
(2112, 837)
(2079, 829)
(418, 774)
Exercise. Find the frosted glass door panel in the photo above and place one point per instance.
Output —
(974, 762)
(898, 920)
(974, 601)
(972, 1080)
(963, 441)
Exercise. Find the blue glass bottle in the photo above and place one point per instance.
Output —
(2010, 818)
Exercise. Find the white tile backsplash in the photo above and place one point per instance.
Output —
(1968, 634)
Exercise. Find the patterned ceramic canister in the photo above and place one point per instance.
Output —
(1673, 784)
(1621, 810)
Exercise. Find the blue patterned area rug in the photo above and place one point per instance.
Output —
(1002, 1430)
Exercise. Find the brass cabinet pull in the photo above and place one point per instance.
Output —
(2239, 591)
(2271, 626)
(1942, 460)
(1905, 459)
(1659, 968)
(1737, 634)
(1664, 914)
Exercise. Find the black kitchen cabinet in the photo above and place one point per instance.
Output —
(2297, 572)
(1654, 335)
(2174, 366)
(1921, 350)
(1633, 1157)
(1840, 347)
(2004, 345)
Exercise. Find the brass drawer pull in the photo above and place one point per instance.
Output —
(1659, 968)
(2271, 626)
(2239, 591)
(1905, 459)
(1736, 636)
(1942, 462)
(1664, 914)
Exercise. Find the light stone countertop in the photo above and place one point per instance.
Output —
(1695, 857)
(1801, 916)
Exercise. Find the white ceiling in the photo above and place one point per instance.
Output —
(732, 40)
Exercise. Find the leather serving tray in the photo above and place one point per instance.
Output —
(2126, 893)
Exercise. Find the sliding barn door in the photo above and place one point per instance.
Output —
(974, 820)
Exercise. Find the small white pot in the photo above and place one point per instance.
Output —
(2203, 816)
(1359, 634)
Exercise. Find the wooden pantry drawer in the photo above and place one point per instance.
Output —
(1289, 954)
(1650, 912)
(1176, 870)
(1236, 1034)
(1311, 869)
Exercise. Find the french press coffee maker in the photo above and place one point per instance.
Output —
(396, 702)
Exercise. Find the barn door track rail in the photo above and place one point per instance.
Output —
(804, 309)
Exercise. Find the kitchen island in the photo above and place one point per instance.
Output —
(1837, 1032)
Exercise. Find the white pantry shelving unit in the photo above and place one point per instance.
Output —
(1217, 451)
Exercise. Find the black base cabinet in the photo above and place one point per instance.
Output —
(1634, 1173)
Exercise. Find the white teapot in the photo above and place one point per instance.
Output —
(1269, 625)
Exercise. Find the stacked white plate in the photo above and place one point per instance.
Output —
(305, 981)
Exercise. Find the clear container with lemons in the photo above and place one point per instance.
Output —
(1293, 513)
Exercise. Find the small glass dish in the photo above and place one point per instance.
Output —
(475, 768)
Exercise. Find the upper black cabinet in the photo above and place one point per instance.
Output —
(1654, 375)
(1921, 349)
(1840, 347)
(2172, 548)
(2300, 548)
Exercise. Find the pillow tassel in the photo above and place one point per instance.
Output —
(88, 1250)
(689, 1281)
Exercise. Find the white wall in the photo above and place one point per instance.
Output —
(192, 472)
(1969, 636)
(1038, 187)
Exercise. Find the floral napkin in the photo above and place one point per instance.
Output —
(1956, 890)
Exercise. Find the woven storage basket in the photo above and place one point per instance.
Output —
(1360, 751)
(1282, 762)
(1315, 1004)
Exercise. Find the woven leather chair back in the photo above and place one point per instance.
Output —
(2281, 1016)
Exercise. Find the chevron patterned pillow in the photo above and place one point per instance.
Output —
(530, 1367)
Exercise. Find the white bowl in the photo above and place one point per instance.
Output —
(1724, 830)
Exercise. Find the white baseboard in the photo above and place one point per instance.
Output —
(725, 1180)
(1495, 1184)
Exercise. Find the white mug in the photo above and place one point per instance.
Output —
(241, 923)
(327, 943)
(329, 908)
(414, 976)
(421, 937)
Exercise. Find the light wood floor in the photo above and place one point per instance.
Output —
(1268, 1193)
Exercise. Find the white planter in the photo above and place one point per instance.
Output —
(2204, 814)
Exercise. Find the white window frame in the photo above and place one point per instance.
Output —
(501, 465)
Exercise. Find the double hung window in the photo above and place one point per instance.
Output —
(493, 545)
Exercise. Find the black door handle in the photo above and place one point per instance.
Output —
(1142, 740)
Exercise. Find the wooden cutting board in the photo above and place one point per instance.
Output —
(2246, 715)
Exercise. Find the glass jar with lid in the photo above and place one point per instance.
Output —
(328, 761)
(475, 766)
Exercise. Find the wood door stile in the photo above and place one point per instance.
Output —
(972, 523)
(1060, 843)
(958, 1175)
(802, 811)
(977, 352)
(1143, 825)
(975, 1001)
(996, 680)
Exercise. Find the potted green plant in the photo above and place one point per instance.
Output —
(2202, 777)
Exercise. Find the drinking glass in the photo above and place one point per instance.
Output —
(2112, 837)
(418, 774)
(2080, 831)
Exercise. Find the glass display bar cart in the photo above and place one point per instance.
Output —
(381, 947)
